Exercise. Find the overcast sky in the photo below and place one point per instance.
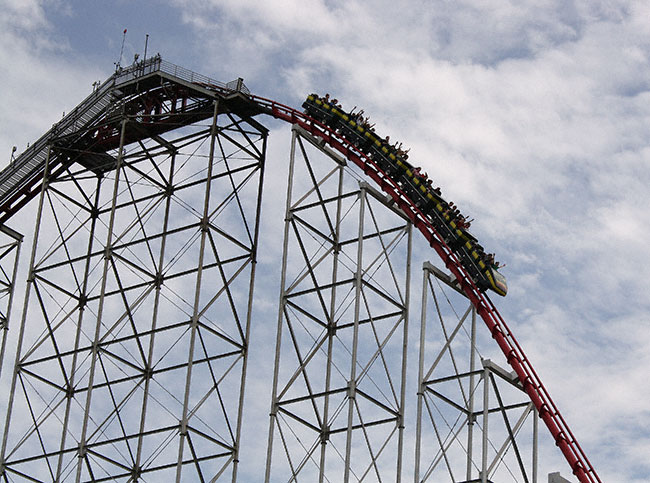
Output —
(533, 116)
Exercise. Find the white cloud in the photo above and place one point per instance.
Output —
(36, 61)
(24, 14)
(532, 117)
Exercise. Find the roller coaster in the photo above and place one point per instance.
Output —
(447, 221)
(95, 127)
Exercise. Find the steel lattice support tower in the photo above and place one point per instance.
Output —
(132, 348)
(471, 413)
(339, 382)
(133, 343)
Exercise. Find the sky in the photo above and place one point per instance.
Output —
(533, 116)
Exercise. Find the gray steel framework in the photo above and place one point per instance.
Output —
(339, 381)
(132, 346)
(471, 413)
(132, 352)
(10, 243)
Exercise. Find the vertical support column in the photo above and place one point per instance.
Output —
(421, 377)
(338, 386)
(249, 314)
(484, 440)
(535, 443)
(83, 297)
(102, 297)
(405, 347)
(331, 327)
(470, 415)
(352, 388)
(159, 274)
(194, 321)
(278, 340)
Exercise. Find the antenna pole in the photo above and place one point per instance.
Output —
(146, 42)
(119, 62)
